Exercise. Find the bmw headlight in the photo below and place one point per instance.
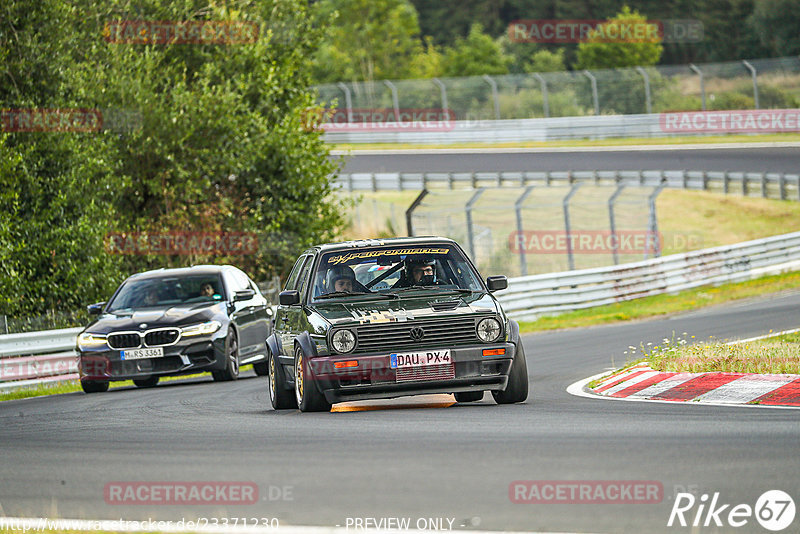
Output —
(343, 341)
(91, 341)
(202, 329)
(489, 329)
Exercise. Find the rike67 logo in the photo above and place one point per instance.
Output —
(774, 510)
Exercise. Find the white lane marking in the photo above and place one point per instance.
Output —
(579, 389)
(765, 336)
(541, 150)
(628, 383)
(746, 388)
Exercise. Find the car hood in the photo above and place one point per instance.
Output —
(178, 315)
(437, 306)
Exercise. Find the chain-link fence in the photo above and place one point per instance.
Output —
(754, 84)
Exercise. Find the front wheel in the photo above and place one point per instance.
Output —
(309, 398)
(94, 386)
(517, 388)
(149, 382)
(231, 371)
(280, 397)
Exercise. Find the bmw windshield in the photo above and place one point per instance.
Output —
(166, 291)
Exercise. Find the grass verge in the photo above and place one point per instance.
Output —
(664, 304)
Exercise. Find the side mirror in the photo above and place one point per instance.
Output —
(245, 294)
(496, 283)
(289, 297)
(95, 309)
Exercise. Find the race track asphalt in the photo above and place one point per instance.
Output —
(424, 460)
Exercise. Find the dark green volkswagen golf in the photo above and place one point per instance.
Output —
(387, 318)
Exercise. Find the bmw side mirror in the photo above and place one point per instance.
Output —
(95, 309)
(496, 283)
(289, 297)
(245, 294)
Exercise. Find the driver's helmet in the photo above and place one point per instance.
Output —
(419, 262)
(338, 272)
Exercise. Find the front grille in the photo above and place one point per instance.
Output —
(157, 338)
(429, 372)
(395, 336)
(445, 305)
(124, 341)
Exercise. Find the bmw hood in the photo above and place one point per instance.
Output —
(148, 318)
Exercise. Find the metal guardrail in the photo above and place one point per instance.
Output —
(38, 356)
(764, 184)
(529, 297)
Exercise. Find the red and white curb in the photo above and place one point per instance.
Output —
(641, 383)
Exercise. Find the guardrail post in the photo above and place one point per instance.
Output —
(567, 227)
(5, 324)
(400, 184)
(685, 179)
(754, 74)
(410, 211)
(782, 185)
(697, 71)
(705, 181)
(470, 232)
(395, 99)
(523, 262)
(745, 190)
(612, 223)
(348, 101)
(648, 104)
(374, 183)
(651, 201)
(545, 99)
(450, 180)
(726, 179)
(443, 91)
(350, 182)
(474, 178)
(493, 85)
(763, 185)
(595, 99)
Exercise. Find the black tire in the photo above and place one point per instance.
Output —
(94, 386)
(149, 382)
(231, 371)
(280, 397)
(469, 396)
(517, 388)
(261, 368)
(308, 396)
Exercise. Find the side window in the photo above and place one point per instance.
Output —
(241, 280)
(305, 274)
(292, 280)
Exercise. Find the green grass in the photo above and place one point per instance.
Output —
(72, 386)
(774, 355)
(665, 304)
(628, 141)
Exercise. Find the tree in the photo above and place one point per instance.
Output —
(775, 23)
(614, 44)
(476, 54)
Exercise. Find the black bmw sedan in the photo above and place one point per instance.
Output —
(175, 321)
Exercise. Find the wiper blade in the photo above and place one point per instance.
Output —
(337, 294)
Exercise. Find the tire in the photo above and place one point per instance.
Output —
(517, 388)
(231, 371)
(469, 396)
(308, 396)
(94, 386)
(149, 382)
(280, 397)
(261, 368)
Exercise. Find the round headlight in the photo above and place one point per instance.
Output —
(489, 329)
(343, 341)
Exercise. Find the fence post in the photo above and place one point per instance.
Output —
(470, 232)
(612, 223)
(348, 101)
(523, 262)
(745, 190)
(545, 99)
(763, 185)
(410, 211)
(374, 183)
(450, 180)
(350, 182)
(651, 201)
(726, 179)
(754, 74)
(443, 90)
(567, 227)
(395, 99)
(595, 99)
(697, 71)
(493, 85)
(5, 324)
(648, 104)
(782, 182)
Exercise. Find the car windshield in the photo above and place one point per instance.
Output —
(389, 270)
(167, 291)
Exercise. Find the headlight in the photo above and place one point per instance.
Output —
(202, 329)
(489, 329)
(343, 341)
(91, 341)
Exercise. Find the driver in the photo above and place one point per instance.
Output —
(418, 272)
(340, 278)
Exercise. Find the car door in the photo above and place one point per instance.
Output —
(243, 313)
(283, 313)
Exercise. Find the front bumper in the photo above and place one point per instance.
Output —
(373, 378)
(186, 356)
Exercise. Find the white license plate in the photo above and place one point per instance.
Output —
(138, 354)
(420, 359)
